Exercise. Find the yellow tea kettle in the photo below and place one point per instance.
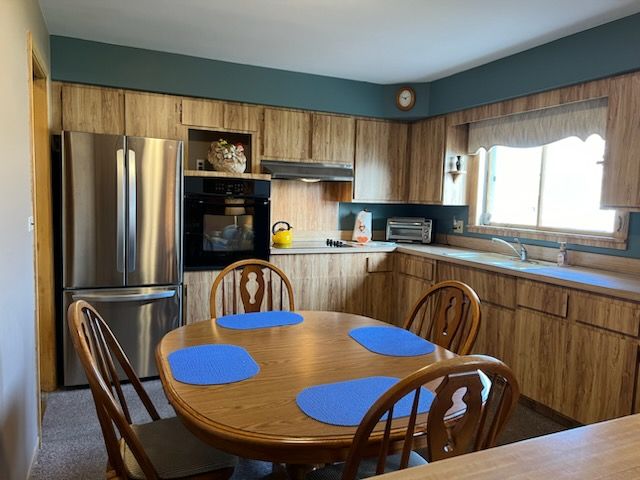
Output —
(283, 235)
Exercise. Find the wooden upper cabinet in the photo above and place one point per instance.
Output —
(287, 134)
(92, 109)
(426, 161)
(621, 174)
(381, 160)
(152, 115)
(242, 117)
(202, 113)
(333, 139)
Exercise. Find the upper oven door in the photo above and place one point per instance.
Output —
(220, 230)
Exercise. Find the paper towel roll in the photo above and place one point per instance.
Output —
(362, 227)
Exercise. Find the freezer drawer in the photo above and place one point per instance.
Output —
(138, 317)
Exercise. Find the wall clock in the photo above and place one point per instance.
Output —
(405, 98)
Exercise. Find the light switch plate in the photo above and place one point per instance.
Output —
(30, 223)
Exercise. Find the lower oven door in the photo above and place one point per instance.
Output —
(221, 230)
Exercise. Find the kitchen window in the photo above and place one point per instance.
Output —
(540, 176)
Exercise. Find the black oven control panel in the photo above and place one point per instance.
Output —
(227, 187)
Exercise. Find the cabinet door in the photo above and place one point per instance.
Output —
(621, 174)
(381, 160)
(242, 117)
(92, 109)
(426, 161)
(286, 134)
(327, 281)
(333, 139)
(408, 289)
(495, 335)
(378, 297)
(202, 113)
(378, 287)
(152, 115)
(197, 289)
(581, 372)
(490, 287)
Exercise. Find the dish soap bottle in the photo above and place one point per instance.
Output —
(563, 261)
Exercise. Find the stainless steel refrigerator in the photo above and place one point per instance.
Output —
(121, 217)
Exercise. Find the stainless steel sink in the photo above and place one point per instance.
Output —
(496, 259)
(516, 264)
(464, 254)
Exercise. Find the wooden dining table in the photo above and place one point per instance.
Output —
(258, 418)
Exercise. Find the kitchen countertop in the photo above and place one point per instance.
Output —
(593, 280)
(320, 246)
(589, 279)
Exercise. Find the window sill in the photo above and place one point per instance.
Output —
(574, 238)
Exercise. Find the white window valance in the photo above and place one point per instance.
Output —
(541, 127)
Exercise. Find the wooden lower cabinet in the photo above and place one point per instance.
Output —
(196, 292)
(408, 290)
(339, 282)
(495, 335)
(572, 351)
(491, 287)
(378, 296)
(581, 372)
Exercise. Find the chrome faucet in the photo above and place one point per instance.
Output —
(522, 254)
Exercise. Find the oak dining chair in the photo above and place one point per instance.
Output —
(160, 449)
(250, 286)
(448, 314)
(447, 435)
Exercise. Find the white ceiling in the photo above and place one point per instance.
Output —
(380, 41)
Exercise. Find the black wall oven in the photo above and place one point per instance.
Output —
(225, 220)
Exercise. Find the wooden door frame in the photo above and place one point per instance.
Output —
(43, 239)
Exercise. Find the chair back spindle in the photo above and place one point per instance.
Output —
(448, 314)
(250, 286)
(485, 387)
(96, 346)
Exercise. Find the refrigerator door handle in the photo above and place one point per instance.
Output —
(121, 188)
(133, 211)
(124, 297)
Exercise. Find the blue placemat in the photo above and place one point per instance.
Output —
(212, 364)
(250, 321)
(392, 341)
(346, 403)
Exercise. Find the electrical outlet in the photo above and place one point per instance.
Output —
(458, 226)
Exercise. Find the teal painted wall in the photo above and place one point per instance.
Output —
(599, 52)
(82, 61)
(602, 51)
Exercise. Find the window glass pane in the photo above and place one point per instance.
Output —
(513, 185)
(571, 186)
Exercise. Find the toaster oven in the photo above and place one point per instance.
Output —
(409, 229)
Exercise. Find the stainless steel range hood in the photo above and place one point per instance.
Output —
(308, 172)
